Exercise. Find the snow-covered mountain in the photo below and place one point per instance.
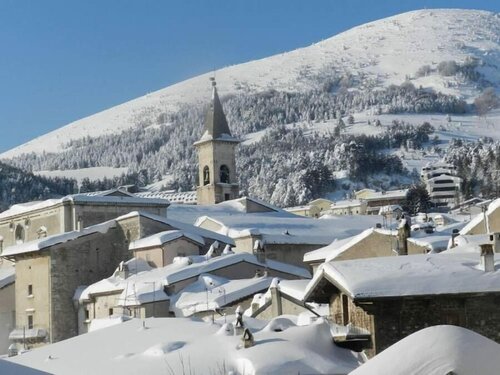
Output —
(377, 54)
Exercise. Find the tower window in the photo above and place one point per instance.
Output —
(206, 175)
(224, 174)
(20, 234)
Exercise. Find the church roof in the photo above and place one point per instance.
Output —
(216, 127)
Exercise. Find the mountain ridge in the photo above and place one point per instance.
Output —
(397, 52)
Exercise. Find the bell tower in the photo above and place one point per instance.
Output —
(218, 181)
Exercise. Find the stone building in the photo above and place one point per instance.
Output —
(34, 220)
(218, 181)
(49, 270)
(371, 243)
(392, 297)
(376, 199)
(129, 290)
(7, 303)
(283, 236)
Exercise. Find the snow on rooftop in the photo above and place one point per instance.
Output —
(337, 247)
(99, 197)
(409, 275)
(7, 273)
(437, 350)
(479, 218)
(161, 238)
(138, 287)
(210, 293)
(179, 225)
(278, 229)
(190, 213)
(177, 346)
(43, 243)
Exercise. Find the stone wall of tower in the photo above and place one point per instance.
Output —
(214, 154)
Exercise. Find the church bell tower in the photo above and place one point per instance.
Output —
(216, 157)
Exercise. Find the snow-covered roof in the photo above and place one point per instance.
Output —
(175, 346)
(409, 275)
(468, 243)
(43, 243)
(161, 238)
(435, 351)
(479, 218)
(137, 287)
(275, 228)
(438, 240)
(179, 225)
(96, 198)
(190, 213)
(211, 293)
(7, 273)
(337, 247)
(185, 197)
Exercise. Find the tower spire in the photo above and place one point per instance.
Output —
(215, 121)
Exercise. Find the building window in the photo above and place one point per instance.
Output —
(345, 310)
(87, 314)
(224, 174)
(227, 197)
(30, 290)
(206, 175)
(30, 321)
(110, 311)
(20, 234)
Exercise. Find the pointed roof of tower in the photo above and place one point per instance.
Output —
(216, 126)
(215, 120)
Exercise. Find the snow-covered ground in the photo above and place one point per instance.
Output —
(437, 350)
(186, 346)
(378, 53)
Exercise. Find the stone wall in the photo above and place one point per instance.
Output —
(373, 246)
(80, 262)
(51, 219)
(7, 315)
(392, 320)
(33, 269)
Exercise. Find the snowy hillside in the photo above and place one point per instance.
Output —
(377, 54)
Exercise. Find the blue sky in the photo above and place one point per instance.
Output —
(62, 60)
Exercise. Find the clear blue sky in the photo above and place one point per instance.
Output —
(62, 60)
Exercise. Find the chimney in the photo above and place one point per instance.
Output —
(487, 258)
(454, 234)
(495, 240)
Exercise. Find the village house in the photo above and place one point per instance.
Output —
(283, 236)
(31, 221)
(348, 207)
(307, 210)
(49, 270)
(370, 243)
(136, 289)
(392, 297)
(442, 183)
(377, 199)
